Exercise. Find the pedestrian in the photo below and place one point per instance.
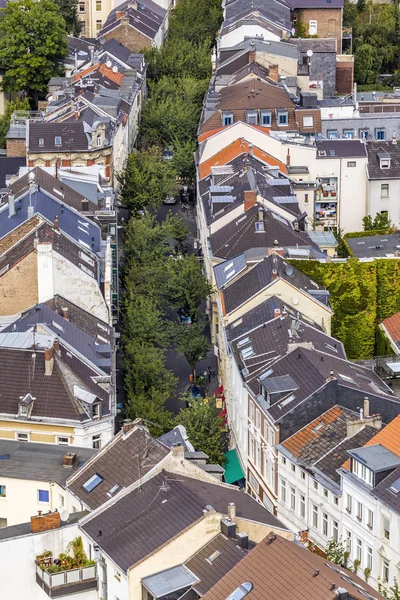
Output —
(209, 374)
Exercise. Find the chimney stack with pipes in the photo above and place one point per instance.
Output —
(45, 522)
(48, 362)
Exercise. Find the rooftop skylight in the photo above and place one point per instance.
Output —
(93, 482)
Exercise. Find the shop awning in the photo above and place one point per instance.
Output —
(233, 469)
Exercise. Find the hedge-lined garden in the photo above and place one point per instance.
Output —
(362, 295)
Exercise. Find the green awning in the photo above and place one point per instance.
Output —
(233, 469)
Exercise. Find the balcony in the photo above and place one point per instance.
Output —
(69, 582)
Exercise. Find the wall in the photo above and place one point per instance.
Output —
(376, 204)
(369, 121)
(232, 38)
(129, 37)
(329, 21)
(16, 147)
(19, 286)
(21, 501)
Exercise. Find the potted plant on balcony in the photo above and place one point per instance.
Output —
(45, 559)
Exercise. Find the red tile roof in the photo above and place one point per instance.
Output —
(392, 326)
(312, 431)
(103, 70)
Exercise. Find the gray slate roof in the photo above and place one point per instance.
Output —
(176, 436)
(150, 516)
(385, 490)
(88, 323)
(39, 462)
(341, 149)
(10, 166)
(224, 272)
(375, 245)
(375, 457)
(49, 131)
(7, 533)
(389, 149)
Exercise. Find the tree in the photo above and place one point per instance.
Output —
(187, 286)
(146, 180)
(390, 593)
(336, 552)
(5, 119)
(204, 428)
(179, 231)
(191, 341)
(380, 222)
(69, 12)
(183, 159)
(33, 45)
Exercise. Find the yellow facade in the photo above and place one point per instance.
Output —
(38, 432)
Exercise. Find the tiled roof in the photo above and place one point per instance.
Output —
(150, 516)
(235, 149)
(87, 322)
(10, 165)
(312, 431)
(210, 572)
(383, 491)
(392, 326)
(103, 70)
(49, 131)
(341, 149)
(278, 568)
(207, 134)
(122, 462)
(388, 437)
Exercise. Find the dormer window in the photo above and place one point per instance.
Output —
(25, 406)
(99, 141)
(384, 160)
(251, 117)
(283, 117)
(96, 413)
(227, 118)
(57, 140)
(265, 118)
(362, 471)
(41, 141)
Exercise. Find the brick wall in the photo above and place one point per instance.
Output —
(329, 22)
(129, 37)
(344, 77)
(45, 522)
(19, 286)
(16, 147)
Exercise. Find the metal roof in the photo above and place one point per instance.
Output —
(227, 270)
(168, 581)
(278, 385)
(376, 457)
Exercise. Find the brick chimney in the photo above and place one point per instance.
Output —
(128, 424)
(45, 522)
(274, 72)
(69, 460)
(252, 56)
(56, 346)
(288, 158)
(120, 14)
(48, 361)
(277, 312)
(56, 225)
(65, 313)
(354, 425)
(250, 199)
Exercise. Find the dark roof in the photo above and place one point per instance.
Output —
(376, 457)
(87, 322)
(388, 490)
(121, 462)
(81, 141)
(150, 516)
(176, 436)
(341, 149)
(375, 245)
(39, 462)
(10, 166)
(241, 236)
(53, 186)
(277, 12)
(387, 149)
(278, 568)
(92, 348)
(75, 225)
(116, 49)
(260, 276)
(210, 572)
(316, 3)
(23, 529)
(146, 20)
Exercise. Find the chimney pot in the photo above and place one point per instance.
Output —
(56, 224)
(277, 313)
(48, 361)
(274, 273)
(56, 346)
(366, 407)
(232, 511)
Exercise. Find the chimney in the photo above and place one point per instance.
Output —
(277, 313)
(288, 158)
(56, 346)
(243, 540)
(65, 313)
(366, 407)
(56, 226)
(252, 56)
(274, 73)
(48, 361)
(128, 424)
(250, 199)
(284, 312)
(57, 167)
(394, 138)
(251, 149)
(46, 522)
(228, 528)
(260, 213)
(76, 115)
(232, 511)
(120, 14)
(274, 273)
(11, 205)
(69, 460)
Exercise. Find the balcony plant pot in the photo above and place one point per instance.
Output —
(333, 193)
(325, 194)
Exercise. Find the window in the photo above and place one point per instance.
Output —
(315, 516)
(384, 163)
(308, 121)
(283, 460)
(251, 412)
(3, 522)
(83, 26)
(348, 542)
(43, 496)
(293, 498)
(265, 118)
(325, 492)
(82, 7)
(96, 441)
(93, 482)
(386, 528)
(283, 491)
(63, 441)
(370, 518)
(96, 410)
(283, 118)
(302, 506)
(98, 24)
(313, 27)
(251, 449)
(57, 140)
(62, 501)
(99, 141)
(363, 134)
(384, 190)
(348, 133)
(324, 524)
(303, 475)
(335, 530)
(227, 118)
(359, 511)
(379, 134)
(258, 455)
(22, 437)
(385, 571)
(258, 419)
(332, 134)
(305, 198)
(251, 117)
(359, 550)
(351, 164)
(98, 5)
(293, 468)
(369, 558)
(335, 500)
(3, 491)
(348, 503)
(41, 141)
(315, 485)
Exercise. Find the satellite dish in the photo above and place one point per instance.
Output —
(289, 270)
(64, 516)
(114, 69)
(295, 300)
(312, 31)
(310, 52)
(109, 64)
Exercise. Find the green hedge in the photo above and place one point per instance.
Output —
(362, 295)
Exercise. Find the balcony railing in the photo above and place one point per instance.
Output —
(67, 582)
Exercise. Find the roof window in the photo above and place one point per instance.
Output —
(395, 487)
(93, 482)
(346, 378)
(243, 341)
(41, 141)
(114, 489)
(57, 140)
(213, 556)
(241, 592)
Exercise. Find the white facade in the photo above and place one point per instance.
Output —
(238, 34)
(383, 196)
